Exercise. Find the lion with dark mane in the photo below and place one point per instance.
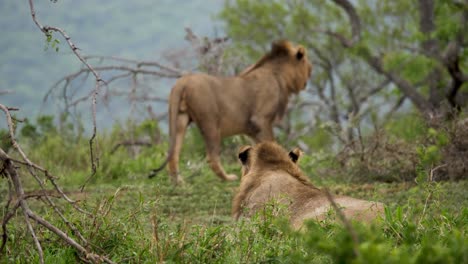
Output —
(271, 173)
(248, 103)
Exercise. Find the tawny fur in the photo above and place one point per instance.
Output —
(247, 104)
(270, 173)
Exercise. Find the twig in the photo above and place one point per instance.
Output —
(346, 223)
(18, 193)
(154, 225)
(31, 165)
(47, 32)
(11, 172)
(431, 175)
(130, 143)
(8, 216)
(91, 256)
(138, 63)
(425, 207)
(2, 92)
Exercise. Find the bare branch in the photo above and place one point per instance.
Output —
(90, 256)
(3, 92)
(418, 100)
(376, 62)
(139, 64)
(135, 70)
(397, 105)
(130, 143)
(18, 193)
(374, 90)
(346, 223)
(354, 21)
(47, 29)
(47, 32)
(8, 214)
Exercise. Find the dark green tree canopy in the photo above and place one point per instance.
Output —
(398, 50)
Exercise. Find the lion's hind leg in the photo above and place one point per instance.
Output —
(183, 121)
(213, 147)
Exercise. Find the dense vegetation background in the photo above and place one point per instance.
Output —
(384, 118)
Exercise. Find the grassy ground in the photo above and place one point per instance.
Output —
(138, 220)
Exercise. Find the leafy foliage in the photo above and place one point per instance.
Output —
(137, 220)
(401, 53)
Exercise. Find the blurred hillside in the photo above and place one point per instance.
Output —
(140, 29)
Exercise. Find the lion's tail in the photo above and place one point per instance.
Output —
(174, 101)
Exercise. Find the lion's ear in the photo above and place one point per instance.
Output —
(300, 53)
(295, 154)
(244, 154)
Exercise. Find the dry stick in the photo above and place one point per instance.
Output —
(103, 212)
(91, 140)
(141, 98)
(155, 238)
(346, 222)
(13, 175)
(138, 63)
(120, 76)
(22, 202)
(65, 220)
(31, 165)
(9, 169)
(8, 216)
(5, 221)
(132, 94)
(65, 79)
(2, 92)
(47, 31)
(128, 72)
(431, 177)
(425, 207)
(51, 179)
(93, 257)
(130, 143)
(120, 68)
(429, 196)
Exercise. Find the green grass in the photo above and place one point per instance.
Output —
(138, 220)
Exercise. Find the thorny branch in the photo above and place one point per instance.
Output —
(17, 194)
(47, 30)
(132, 75)
(208, 52)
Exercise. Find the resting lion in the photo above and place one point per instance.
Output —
(270, 172)
(245, 104)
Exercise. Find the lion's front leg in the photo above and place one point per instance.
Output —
(263, 129)
(265, 113)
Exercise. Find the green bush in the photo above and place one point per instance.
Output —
(138, 220)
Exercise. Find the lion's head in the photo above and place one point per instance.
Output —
(269, 156)
(289, 61)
